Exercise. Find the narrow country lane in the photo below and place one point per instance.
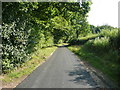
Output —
(62, 70)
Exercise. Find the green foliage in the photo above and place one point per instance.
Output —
(99, 29)
(29, 26)
(102, 43)
(14, 46)
(103, 50)
(113, 35)
(83, 40)
(110, 33)
(106, 40)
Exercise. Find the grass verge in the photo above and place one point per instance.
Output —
(37, 58)
(89, 37)
(100, 61)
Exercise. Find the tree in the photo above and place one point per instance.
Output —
(28, 26)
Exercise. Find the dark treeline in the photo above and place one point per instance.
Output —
(29, 26)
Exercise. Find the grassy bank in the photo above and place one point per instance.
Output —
(37, 58)
(101, 60)
(90, 36)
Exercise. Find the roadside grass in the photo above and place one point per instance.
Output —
(89, 36)
(83, 39)
(37, 58)
(101, 61)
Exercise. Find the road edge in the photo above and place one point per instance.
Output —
(21, 79)
(98, 73)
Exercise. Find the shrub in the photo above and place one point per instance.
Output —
(14, 42)
(101, 43)
(113, 35)
(110, 33)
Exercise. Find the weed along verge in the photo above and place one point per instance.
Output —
(13, 78)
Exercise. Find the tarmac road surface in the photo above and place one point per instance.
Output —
(62, 70)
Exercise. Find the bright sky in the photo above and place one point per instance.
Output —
(104, 12)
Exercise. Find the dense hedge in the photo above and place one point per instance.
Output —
(20, 34)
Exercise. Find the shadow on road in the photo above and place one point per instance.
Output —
(81, 76)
